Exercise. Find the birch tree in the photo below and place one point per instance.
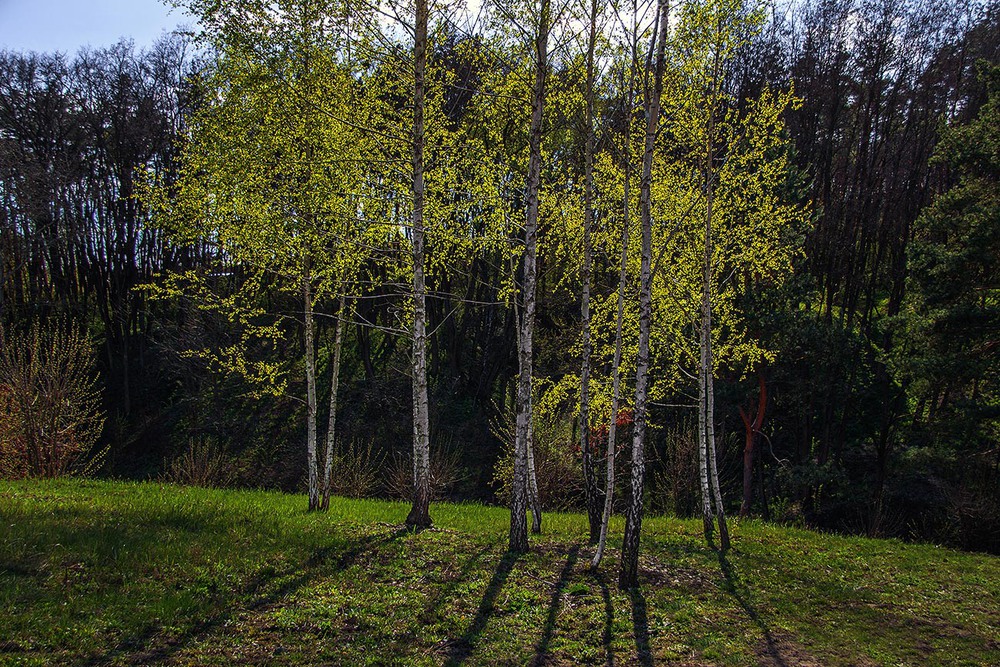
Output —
(733, 169)
(630, 71)
(518, 541)
(254, 178)
(628, 574)
(591, 489)
(419, 515)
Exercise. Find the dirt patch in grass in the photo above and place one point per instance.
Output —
(781, 650)
(682, 578)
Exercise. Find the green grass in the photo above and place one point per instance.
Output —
(97, 573)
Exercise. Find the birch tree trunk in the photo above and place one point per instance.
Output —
(331, 426)
(609, 487)
(706, 493)
(709, 371)
(313, 484)
(591, 489)
(708, 361)
(628, 574)
(518, 502)
(720, 508)
(533, 498)
(419, 516)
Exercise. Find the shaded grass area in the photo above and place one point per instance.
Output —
(104, 573)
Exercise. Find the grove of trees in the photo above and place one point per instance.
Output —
(703, 258)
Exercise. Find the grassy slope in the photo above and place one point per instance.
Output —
(113, 573)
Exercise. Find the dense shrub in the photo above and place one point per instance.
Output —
(557, 462)
(446, 473)
(203, 464)
(50, 411)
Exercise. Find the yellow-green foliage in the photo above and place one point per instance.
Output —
(752, 217)
(271, 174)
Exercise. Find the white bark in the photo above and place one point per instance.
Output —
(628, 574)
(420, 512)
(706, 494)
(589, 474)
(609, 488)
(331, 427)
(619, 320)
(313, 473)
(533, 498)
(708, 362)
(518, 507)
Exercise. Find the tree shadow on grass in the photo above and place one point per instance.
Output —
(640, 626)
(143, 648)
(435, 601)
(734, 584)
(429, 614)
(461, 649)
(609, 617)
(550, 620)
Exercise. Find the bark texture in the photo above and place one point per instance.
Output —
(331, 427)
(706, 493)
(628, 574)
(708, 362)
(518, 498)
(609, 479)
(591, 489)
(533, 497)
(312, 467)
(419, 516)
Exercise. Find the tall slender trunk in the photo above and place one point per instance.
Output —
(706, 329)
(752, 428)
(628, 574)
(419, 516)
(534, 500)
(591, 489)
(532, 489)
(706, 492)
(518, 502)
(331, 426)
(310, 391)
(609, 488)
(713, 470)
(609, 480)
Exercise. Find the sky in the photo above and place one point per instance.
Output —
(68, 25)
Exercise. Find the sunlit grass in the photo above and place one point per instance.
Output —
(125, 573)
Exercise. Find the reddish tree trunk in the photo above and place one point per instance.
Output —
(749, 450)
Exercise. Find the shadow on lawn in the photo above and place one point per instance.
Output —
(434, 602)
(550, 620)
(609, 617)
(461, 649)
(143, 649)
(734, 584)
(640, 626)
(430, 614)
